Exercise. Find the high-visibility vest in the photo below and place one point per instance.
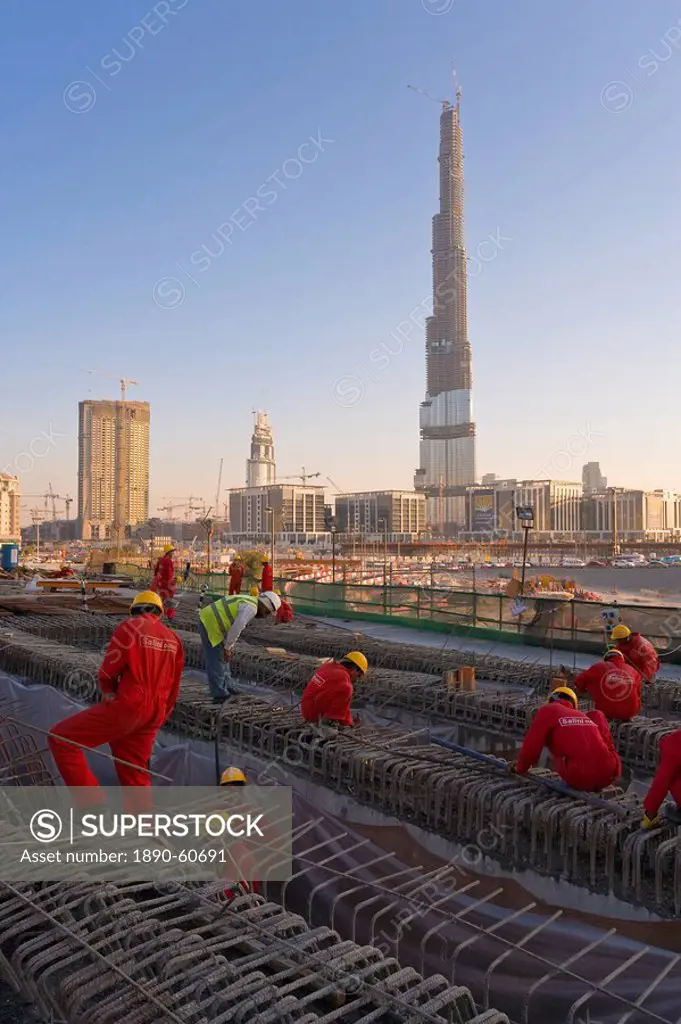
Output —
(219, 617)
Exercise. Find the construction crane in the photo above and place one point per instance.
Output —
(123, 381)
(304, 477)
(445, 104)
(187, 501)
(334, 485)
(217, 492)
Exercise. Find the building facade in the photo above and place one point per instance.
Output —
(261, 467)
(296, 510)
(393, 512)
(10, 501)
(557, 507)
(627, 514)
(447, 446)
(113, 467)
(593, 480)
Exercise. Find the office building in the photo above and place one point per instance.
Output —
(557, 506)
(593, 480)
(627, 514)
(447, 447)
(10, 531)
(297, 512)
(393, 512)
(113, 467)
(260, 467)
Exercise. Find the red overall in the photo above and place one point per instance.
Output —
(328, 695)
(614, 687)
(140, 681)
(285, 613)
(640, 653)
(267, 580)
(668, 775)
(581, 746)
(236, 575)
(164, 584)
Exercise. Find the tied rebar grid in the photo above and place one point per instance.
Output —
(445, 793)
(105, 953)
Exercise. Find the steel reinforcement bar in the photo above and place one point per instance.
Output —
(445, 793)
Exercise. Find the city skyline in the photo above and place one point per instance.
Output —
(330, 278)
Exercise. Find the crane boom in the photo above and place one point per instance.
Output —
(217, 492)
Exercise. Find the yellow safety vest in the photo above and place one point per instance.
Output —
(219, 617)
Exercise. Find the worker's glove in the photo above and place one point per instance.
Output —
(647, 822)
(513, 767)
(228, 653)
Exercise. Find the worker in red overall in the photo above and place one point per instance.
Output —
(139, 680)
(328, 695)
(637, 651)
(236, 575)
(667, 780)
(163, 582)
(267, 579)
(583, 752)
(285, 613)
(235, 777)
(613, 686)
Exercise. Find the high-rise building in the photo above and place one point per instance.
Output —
(593, 480)
(261, 468)
(401, 512)
(9, 508)
(295, 512)
(113, 467)
(447, 448)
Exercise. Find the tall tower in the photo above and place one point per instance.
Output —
(260, 468)
(447, 448)
(113, 467)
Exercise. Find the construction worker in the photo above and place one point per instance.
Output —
(267, 578)
(164, 583)
(613, 686)
(583, 752)
(220, 626)
(235, 777)
(637, 651)
(328, 695)
(139, 679)
(236, 575)
(254, 592)
(667, 780)
(285, 613)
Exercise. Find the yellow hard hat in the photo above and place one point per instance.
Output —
(277, 592)
(237, 558)
(621, 632)
(612, 652)
(147, 597)
(265, 558)
(357, 659)
(561, 692)
(254, 592)
(232, 777)
(167, 548)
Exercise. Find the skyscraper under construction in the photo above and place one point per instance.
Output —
(447, 448)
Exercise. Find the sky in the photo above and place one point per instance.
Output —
(132, 132)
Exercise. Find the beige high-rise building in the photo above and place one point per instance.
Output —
(9, 508)
(113, 467)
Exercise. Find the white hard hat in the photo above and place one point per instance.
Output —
(271, 599)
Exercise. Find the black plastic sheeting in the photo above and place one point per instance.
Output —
(507, 946)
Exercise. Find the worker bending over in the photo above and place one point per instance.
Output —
(637, 651)
(613, 686)
(285, 613)
(267, 579)
(583, 752)
(667, 780)
(220, 626)
(328, 695)
(164, 583)
(235, 777)
(236, 575)
(139, 680)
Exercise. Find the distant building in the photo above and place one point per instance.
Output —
(490, 511)
(113, 467)
(393, 512)
(52, 531)
(261, 467)
(488, 478)
(10, 501)
(633, 515)
(298, 511)
(593, 480)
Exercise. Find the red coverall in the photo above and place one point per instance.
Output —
(328, 695)
(285, 613)
(163, 582)
(140, 675)
(640, 653)
(581, 746)
(668, 775)
(614, 687)
(267, 580)
(236, 575)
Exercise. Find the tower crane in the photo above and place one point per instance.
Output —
(445, 104)
(123, 381)
(304, 477)
(334, 485)
(217, 492)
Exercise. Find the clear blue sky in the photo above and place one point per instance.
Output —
(574, 325)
